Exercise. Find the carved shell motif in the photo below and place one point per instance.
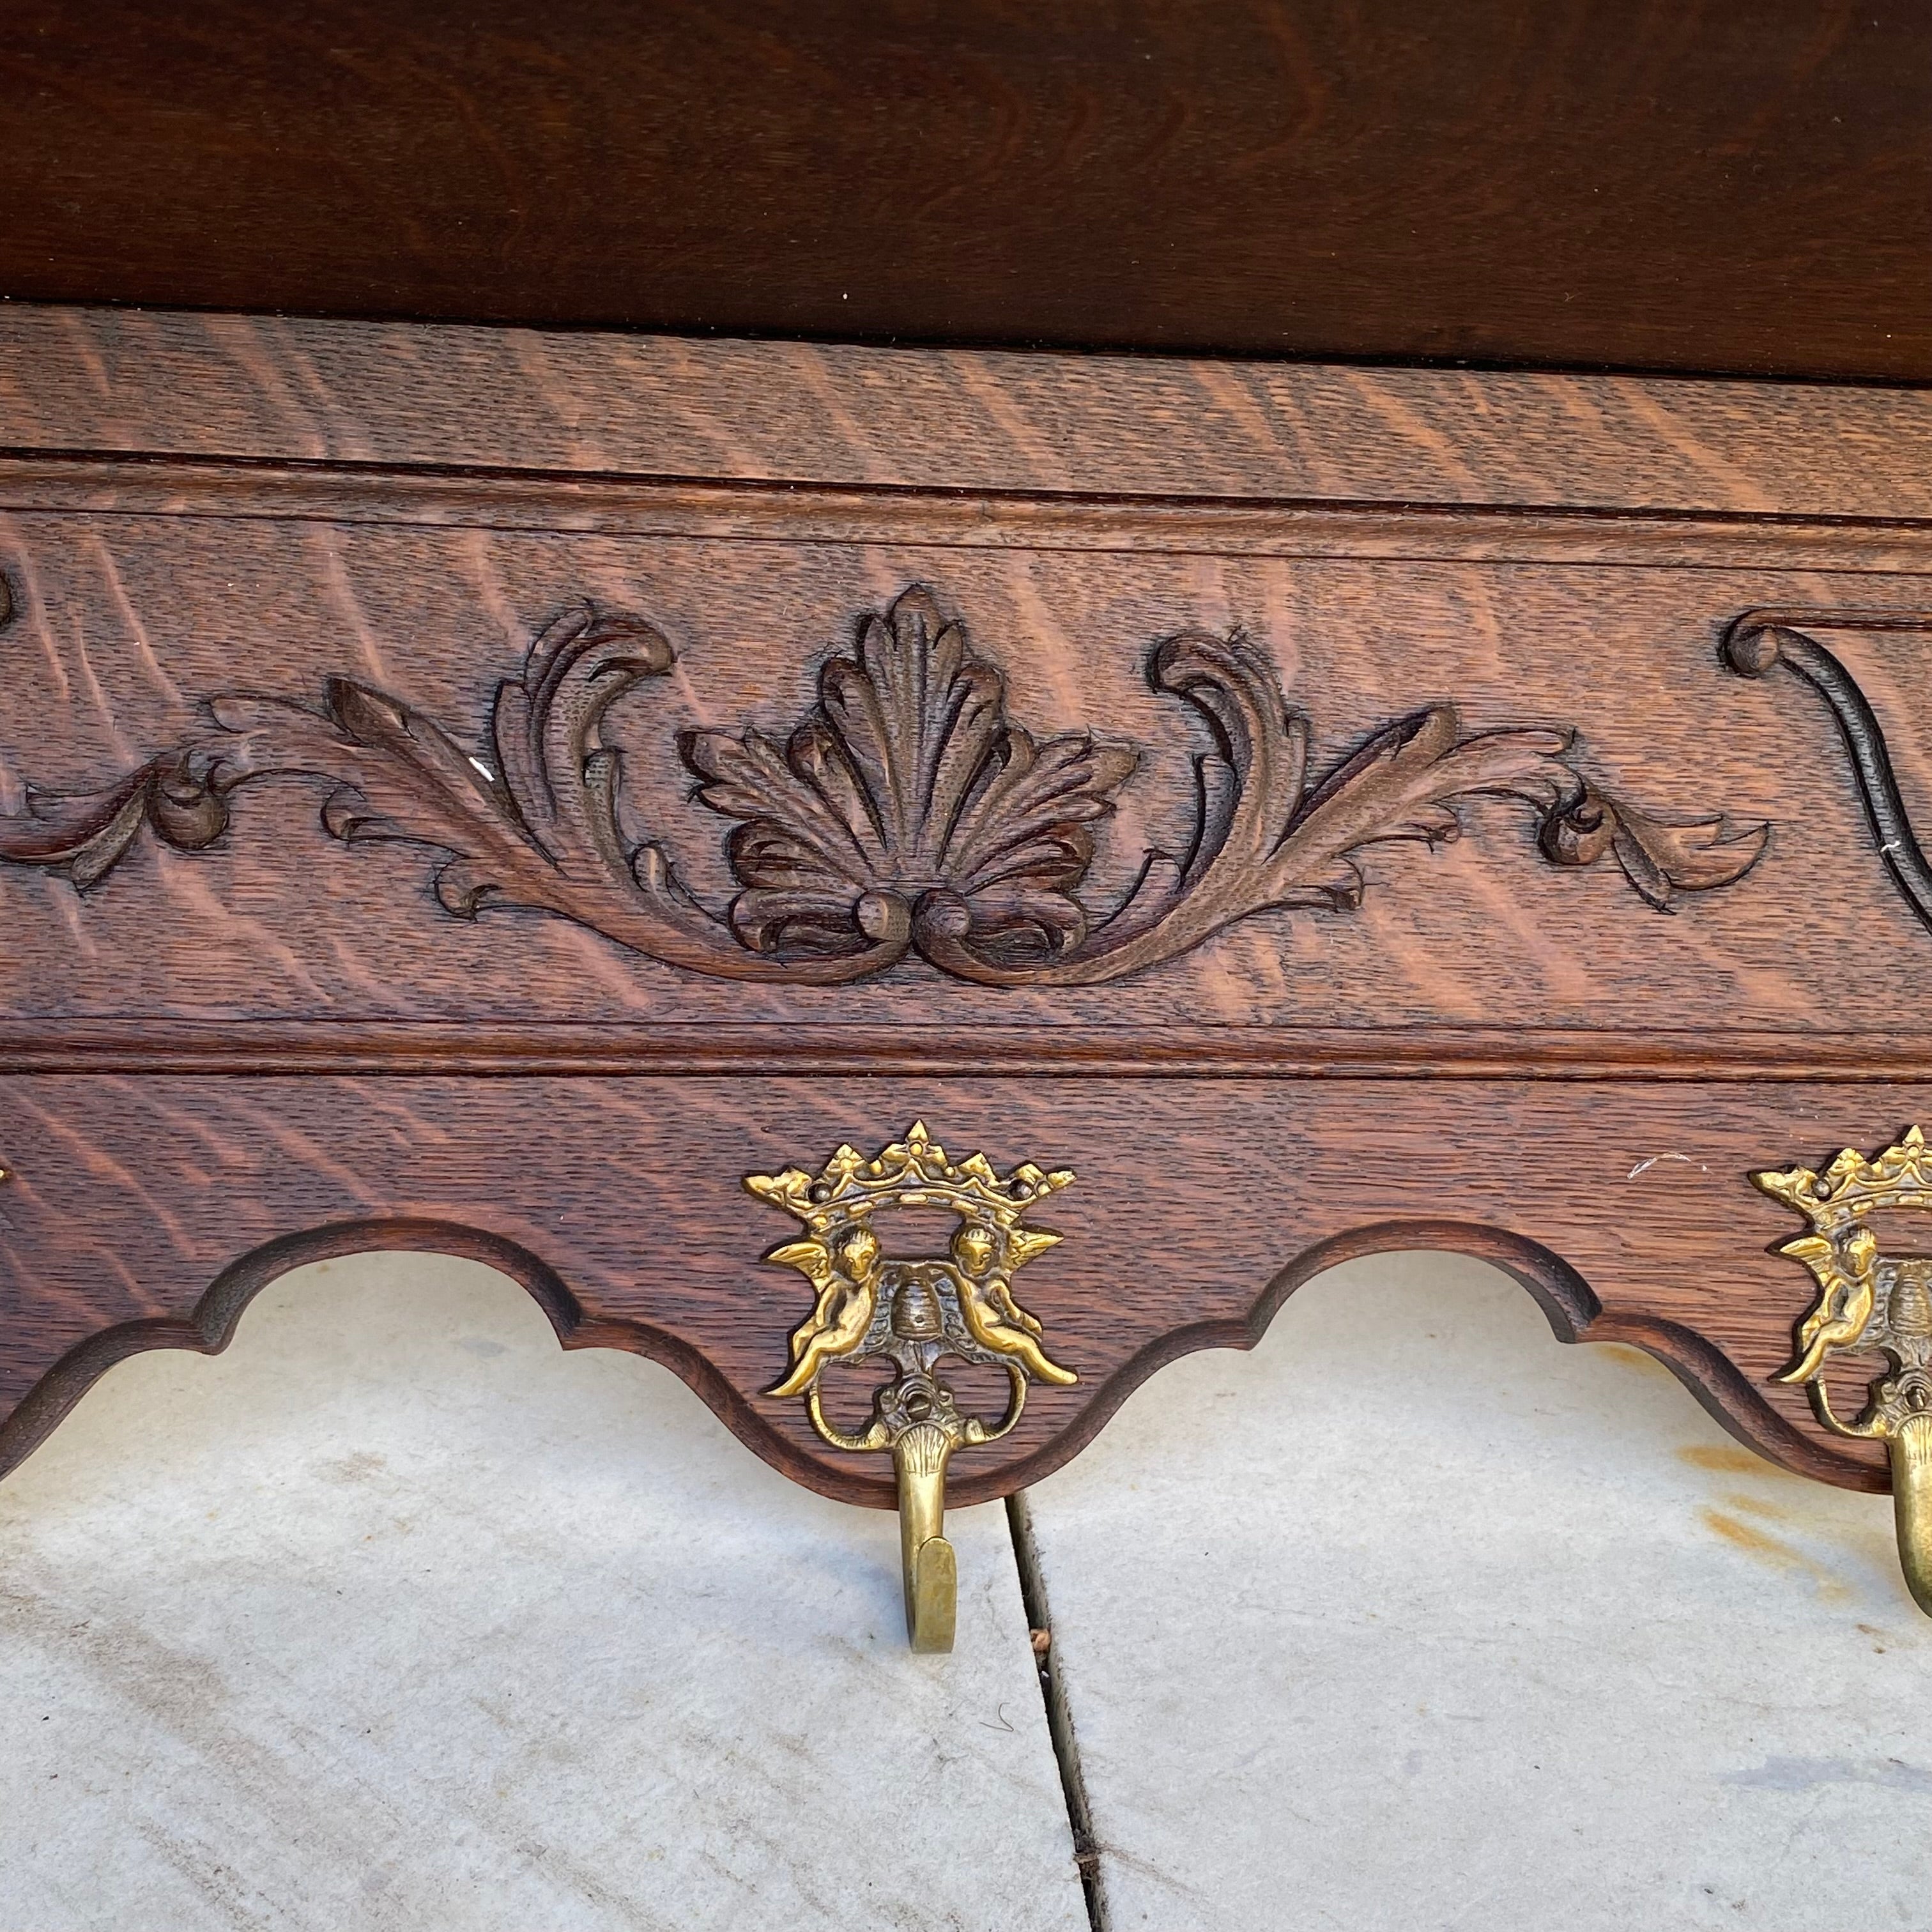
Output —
(906, 813)
(907, 788)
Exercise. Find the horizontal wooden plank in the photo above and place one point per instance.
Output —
(1714, 1054)
(141, 1214)
(284, 389)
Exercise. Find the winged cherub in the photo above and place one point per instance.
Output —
(848, 1285)
(996, 1320)
(1847, 1274)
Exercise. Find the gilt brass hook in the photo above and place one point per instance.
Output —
(1867, 1303)
(912, 1313)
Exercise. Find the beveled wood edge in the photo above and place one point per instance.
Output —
(638, 1046)
(725, 510)
(1572, 1308)
(157, 382)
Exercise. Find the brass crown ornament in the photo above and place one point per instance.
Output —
(912, 1313)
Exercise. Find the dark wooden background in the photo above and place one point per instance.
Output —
(1625, 183)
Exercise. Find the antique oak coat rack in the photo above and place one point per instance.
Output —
(648, 814)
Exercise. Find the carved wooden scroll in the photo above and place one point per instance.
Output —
(1759, 641)
(907, 814)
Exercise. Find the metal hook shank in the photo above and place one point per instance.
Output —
(931, 1574)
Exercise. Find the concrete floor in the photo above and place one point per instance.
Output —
(1499, 1634)
(395, 1616)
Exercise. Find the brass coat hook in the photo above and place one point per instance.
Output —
(1871, 1303)
(913, 1313)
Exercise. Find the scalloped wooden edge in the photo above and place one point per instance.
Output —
(1574, 1311)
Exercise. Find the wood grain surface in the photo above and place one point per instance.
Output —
(1688, 186)
(594, 406)
(238, 1051)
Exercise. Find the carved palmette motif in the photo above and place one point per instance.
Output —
(908, 798)
(907, 814)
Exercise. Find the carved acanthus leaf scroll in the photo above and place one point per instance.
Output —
(906, 813)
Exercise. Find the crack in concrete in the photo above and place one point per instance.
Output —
(1059, 1714)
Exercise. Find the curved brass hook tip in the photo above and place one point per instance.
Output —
(1911, 1448)
(931, 1596)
